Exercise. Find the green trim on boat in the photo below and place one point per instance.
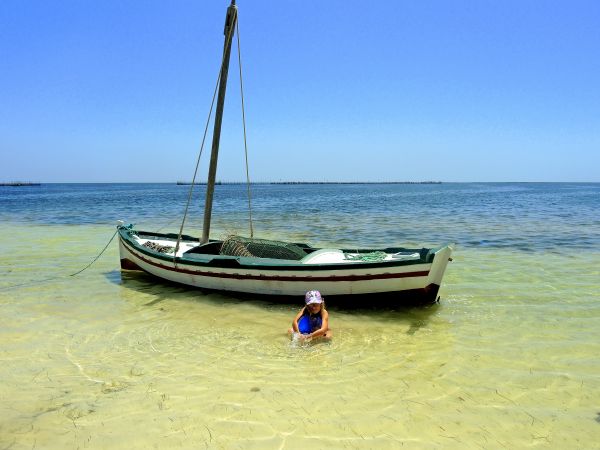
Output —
(255, 263)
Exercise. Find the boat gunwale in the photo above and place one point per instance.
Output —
(237, 262)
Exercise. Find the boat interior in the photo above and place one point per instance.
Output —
(271, 249)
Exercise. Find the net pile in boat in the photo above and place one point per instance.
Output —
(370, 257)
(261, 248)
(158, 248)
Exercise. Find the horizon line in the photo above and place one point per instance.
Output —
(223, 182)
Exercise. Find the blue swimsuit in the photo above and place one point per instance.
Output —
(309, 323)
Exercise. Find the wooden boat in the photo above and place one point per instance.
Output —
(414, 273)
(274, 268)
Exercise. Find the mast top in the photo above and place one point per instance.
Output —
(229, 19)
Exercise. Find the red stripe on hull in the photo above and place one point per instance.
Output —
(237, 276)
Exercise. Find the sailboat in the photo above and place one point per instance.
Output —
(278, 269)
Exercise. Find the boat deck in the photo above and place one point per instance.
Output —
(318, 256)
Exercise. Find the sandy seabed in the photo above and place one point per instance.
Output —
(508, 359)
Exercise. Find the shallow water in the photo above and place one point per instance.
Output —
(508, 358)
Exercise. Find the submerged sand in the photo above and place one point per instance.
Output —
(509, 358)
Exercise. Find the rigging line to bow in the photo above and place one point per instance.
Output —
(244, 125)
(187, 205)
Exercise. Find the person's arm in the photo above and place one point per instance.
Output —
(296, 319)
(324, 327)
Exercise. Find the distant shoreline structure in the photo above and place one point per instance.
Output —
(19, 183)
(187, 183)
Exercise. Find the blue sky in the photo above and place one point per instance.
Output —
(119, 91)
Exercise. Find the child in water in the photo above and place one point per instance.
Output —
(313, 320)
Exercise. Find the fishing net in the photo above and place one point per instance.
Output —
(261, 248)
(158, 248)
(372, 256)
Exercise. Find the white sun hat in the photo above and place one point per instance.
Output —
(313, 297)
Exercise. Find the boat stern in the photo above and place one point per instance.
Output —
(441, 258)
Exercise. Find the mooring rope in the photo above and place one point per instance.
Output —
(45, 280)
(99, 255)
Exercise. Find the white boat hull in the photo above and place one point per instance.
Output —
(334, 280)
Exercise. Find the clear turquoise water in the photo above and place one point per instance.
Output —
(509, 358)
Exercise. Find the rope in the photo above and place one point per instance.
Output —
(244, 124)
(229, 37)
(166, 225)
(99, 255)
(187, 205)
(45, 280)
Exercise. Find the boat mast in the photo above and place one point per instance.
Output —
(230, 21)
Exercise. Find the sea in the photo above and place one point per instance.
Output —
(508, 358)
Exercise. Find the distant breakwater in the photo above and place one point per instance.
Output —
(19, 183)
(314, 182)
